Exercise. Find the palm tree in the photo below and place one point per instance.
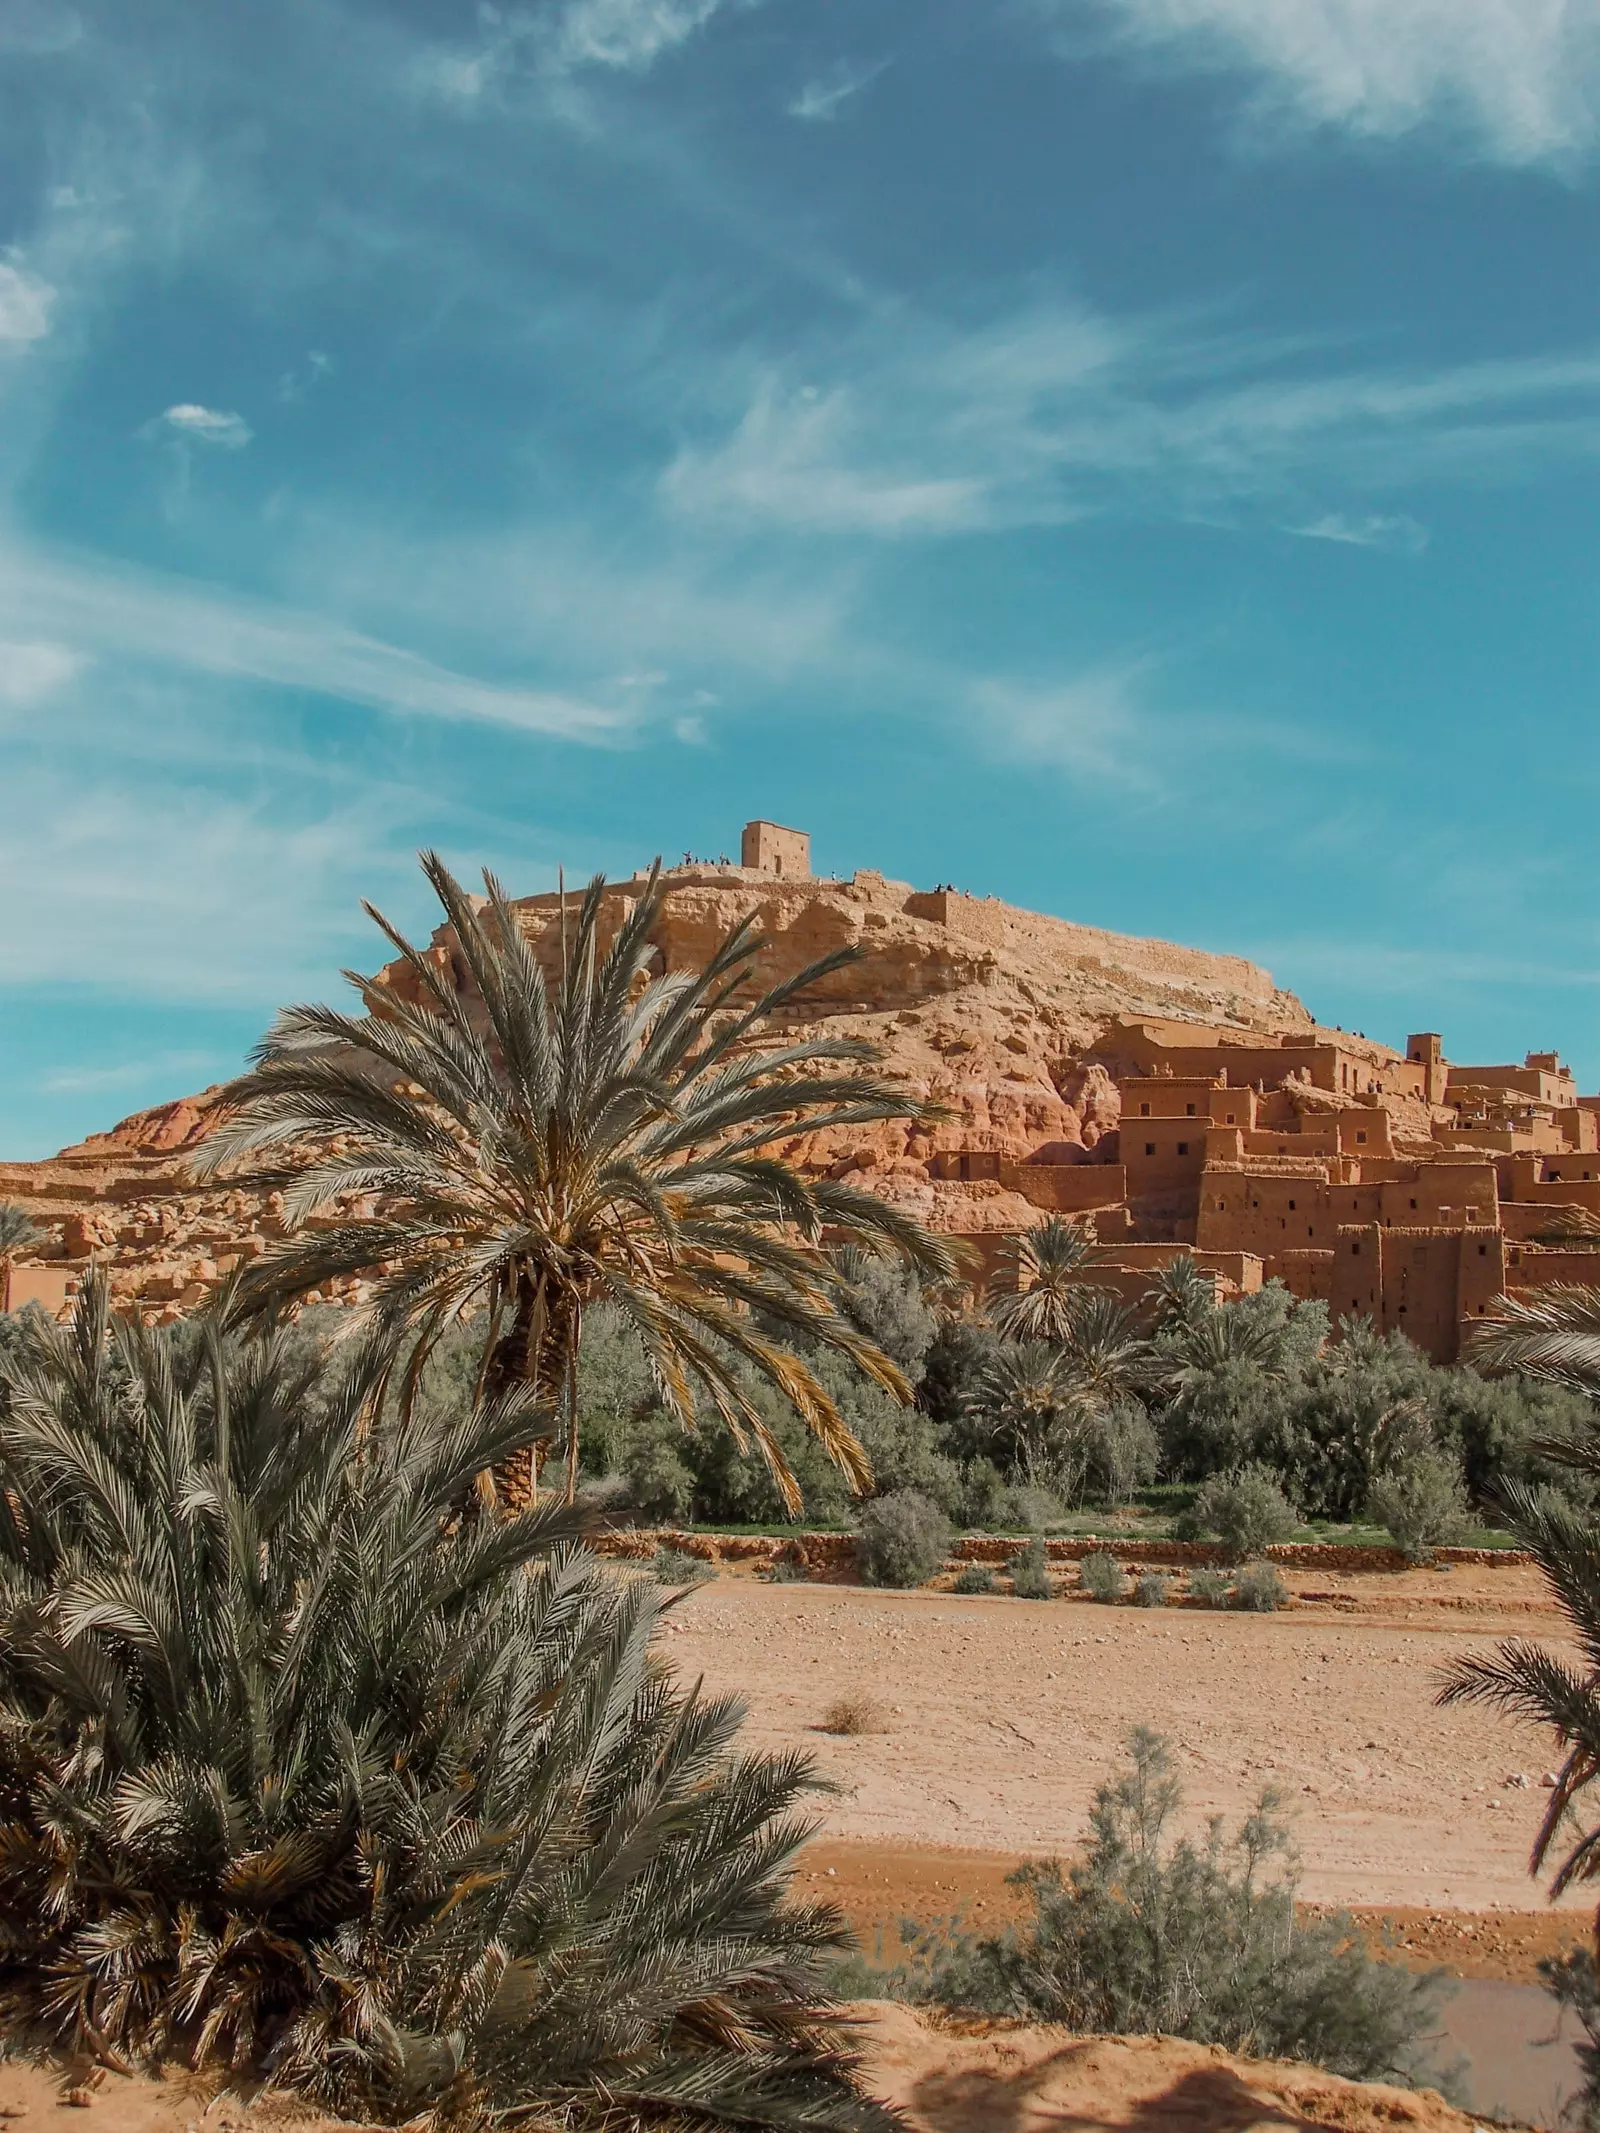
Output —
(305, 1774)
(1049, 1262)
(1524, 1680)
(1553, 1334)
(18, 1233)
(533, 1154)
(1103, 1350)
(1181, 1295)
(1024, 1395)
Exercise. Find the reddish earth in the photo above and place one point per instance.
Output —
(946, 2078)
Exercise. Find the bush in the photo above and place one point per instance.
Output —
(1030, 1572)
(1146, 1935)
(905, 1538)
(854, 1713)
(1154, 1589)
(1032, 1508)
(1259, 1590)
(1245, 1510)
(975, 1577)
(783, 1572)
(1422, 1503)
(675, 1566)
(1209, 1588)
(377, 1760)
(1101, 1576)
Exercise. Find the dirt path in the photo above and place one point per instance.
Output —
(1001, 1715)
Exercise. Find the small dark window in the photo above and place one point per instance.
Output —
(1413, 1203)
(1483, 1251)
(1149, 1147)
(1183, 1147)
(1355, 1251)
(1360, 1137)
(1230, 1122)
(1555, 1175)
(1144, 1110)
(1291, 1207)
(1188, 1110)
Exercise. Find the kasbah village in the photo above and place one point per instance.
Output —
(1174, 1105)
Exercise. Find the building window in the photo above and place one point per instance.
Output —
(1230, 1122)
(1361, 1137)
(1291, 1207)
(1188, 1110)
(1355, 1251)
(1472, 1214)
(1144, 1110)
(1483, 1251)
(1413, 1203)
(1183, 1147)
(1149, 1147)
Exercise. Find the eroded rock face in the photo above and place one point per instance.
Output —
(986, 1010)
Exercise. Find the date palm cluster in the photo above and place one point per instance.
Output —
(300, 1772)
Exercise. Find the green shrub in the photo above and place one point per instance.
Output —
(1209, 1588)
(1422, 1504)
(1030, 1571)
(1101, 1576)
(1259, 1590)
(1032, 1508)
(399, 1805)
(1246, 1511)
(904, 1539)
(676, 1566)
(782, 1572)
(1154, 1589)
(975, 1577)
(1145, 1934)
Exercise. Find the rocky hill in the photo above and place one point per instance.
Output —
(994, 1012)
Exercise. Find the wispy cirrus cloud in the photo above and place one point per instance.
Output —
(1514, 80)
(627, 36)
(26, 304)
(94, 606)
(30, 672)
(1397, 532)
(918, 426)
(825, 96)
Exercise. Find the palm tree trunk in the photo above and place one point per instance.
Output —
(535, 1351)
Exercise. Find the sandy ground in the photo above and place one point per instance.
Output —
(1001, 1715)
(945, 2081)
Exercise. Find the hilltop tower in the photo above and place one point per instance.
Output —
(769, 848)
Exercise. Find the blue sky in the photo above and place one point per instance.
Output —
(1134, 457)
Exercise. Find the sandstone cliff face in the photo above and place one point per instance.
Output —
(985, 1009)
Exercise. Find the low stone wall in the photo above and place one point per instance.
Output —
(835, 1553)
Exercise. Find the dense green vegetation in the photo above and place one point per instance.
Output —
(1245, 1422)
(303, 1768)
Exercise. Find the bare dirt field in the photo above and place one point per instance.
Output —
(1000, 1716)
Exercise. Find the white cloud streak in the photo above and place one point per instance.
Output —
(25, 304)
(96, 606)
(925, 428)
(1517, 80)
(1400, 534)
(823, 99)
(31, 672)
(203, 425)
